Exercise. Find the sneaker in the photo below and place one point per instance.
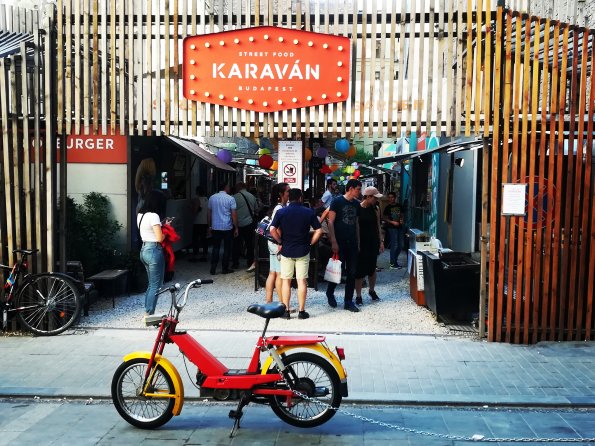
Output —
(358, 300)
(331, 300)
(251, 268)
(395, 266)
(373, 295)
(286, 315)
(351, 307)
(303, 315)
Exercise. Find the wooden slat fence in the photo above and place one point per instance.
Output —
(27, 169)
(121, 66)
(540, 279)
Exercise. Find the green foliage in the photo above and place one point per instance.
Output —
(361, 156)
(90, 232)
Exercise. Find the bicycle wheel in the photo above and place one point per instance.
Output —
(316, 378)
(138, 410)
(48, 304)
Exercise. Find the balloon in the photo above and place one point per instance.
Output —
(325, 169)
(265, 161)
(333, 167)
(321, 152)
(342, 145)
(274, 166)
(350, 152)
(342, 178)
(355, 164)
(308, 155)
(224, 155)
(263, 151)
(356, 174)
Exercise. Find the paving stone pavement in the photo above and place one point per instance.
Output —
(397, 369)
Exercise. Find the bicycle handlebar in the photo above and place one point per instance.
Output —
(194, 284)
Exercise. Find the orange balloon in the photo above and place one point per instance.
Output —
(351, 152)
(333, 167)
(274, 166)
(308, 154)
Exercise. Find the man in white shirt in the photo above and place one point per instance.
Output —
(246, 208)
(330, 193)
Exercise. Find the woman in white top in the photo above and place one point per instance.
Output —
(280, 196)
(151, 253)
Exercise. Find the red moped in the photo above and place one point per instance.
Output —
(300, 377)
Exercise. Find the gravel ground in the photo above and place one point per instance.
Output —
(222, 306)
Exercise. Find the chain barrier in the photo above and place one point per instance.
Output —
(475, 437)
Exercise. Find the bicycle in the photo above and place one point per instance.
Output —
(46, 304)
(303, 388)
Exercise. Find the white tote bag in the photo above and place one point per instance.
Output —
(333, 270)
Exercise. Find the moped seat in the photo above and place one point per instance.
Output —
(268, 311)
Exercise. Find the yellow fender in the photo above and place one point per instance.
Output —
(322, 350)
(171, 371)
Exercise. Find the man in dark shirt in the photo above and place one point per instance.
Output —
(343, 233)
(291, 228)
(393, 219)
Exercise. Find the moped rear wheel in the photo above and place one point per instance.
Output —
(138, 410)
(317, 379)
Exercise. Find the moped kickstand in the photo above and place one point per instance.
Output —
(237, 414)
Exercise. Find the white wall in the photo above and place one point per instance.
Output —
(108, 179)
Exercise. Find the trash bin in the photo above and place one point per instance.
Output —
(451, 282)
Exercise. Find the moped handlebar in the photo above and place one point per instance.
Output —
(194, 284)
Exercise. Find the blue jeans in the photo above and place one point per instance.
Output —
(216, 238)
(396, 244)
(151, 254)
(348, 257)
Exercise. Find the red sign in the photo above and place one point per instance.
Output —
(266, 68)
(96, 149)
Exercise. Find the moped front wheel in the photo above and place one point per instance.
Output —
(319, 382)
(146, 412)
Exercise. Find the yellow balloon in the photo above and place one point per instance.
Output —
(274, 166)
(263, 152)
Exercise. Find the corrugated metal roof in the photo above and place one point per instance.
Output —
(10, 42)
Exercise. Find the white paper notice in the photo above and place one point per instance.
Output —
(290, 163)
(513, 198)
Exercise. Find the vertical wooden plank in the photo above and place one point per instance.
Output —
(514, 296)
(547, 330)
(298, 112)
(363, 67)
(139, 90)
(60, 63)
(50, 146)
(372, 90)
(77, 66)
(287, 115)
(6, 151)
(530, 298)
(68, 68)
(104, 73)
(588, 228)
(478, 64)
(569, 241)
(495, 295)
(459, 92)
(149, 68)
(194, 131)
(122, 65)
(521, 293)
(450, 71)
(352, 102)
(421, 79)
(95, 66)
(578, 246)
(113, 79)
(557, 313)
(392, 53)
(469, 72)
(25, 90)
(86, 66)
(37, 131)
(130, 53)
(430, 98)
(442, 58)
(176, 72)
(401, 73)
(167, 68)
(158, 67)
(16, 159)
(488, 71)
(185, 103)
(408, 94)
(540, 303)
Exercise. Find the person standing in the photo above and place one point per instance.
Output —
(223, 226)
(279, 198)
(371, 243)
(291, 228)
(200, 205)
(246, 205)
(151, 253)
(343, 233)
(393, 219)
(330, 193)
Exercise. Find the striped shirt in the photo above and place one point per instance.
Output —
(221, 204)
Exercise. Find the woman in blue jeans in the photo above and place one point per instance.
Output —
(151, 253)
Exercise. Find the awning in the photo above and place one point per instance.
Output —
(453, 146)
(203, 154)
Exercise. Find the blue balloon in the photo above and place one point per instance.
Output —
(224, 155)
(342, 145)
